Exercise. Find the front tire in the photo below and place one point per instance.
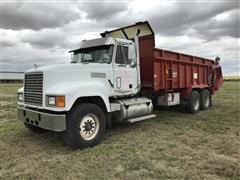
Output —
(193, 104)
(86, 124)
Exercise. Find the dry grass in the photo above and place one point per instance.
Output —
(172, 146)
(231, 78)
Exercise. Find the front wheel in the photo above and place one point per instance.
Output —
(86, 124)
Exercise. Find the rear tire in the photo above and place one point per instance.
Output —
(205, 99)
(34, 129)
(193, 104)
(86, 124)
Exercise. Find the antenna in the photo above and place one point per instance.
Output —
(35, 66)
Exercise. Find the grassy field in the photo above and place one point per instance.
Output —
(172, 146)
(231, 78)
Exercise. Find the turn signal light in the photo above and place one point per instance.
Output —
(60, 101)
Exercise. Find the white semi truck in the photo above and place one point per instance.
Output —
(80, 98)
(102, 84)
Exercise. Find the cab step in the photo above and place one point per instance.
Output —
(141, 118)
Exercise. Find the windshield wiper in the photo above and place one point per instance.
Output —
(87, 61)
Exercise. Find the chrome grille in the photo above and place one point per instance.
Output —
(33, 88)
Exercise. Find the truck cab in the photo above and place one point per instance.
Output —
(101, 84)
(116, 55)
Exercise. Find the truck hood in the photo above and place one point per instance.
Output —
(73, 73)
(63, 67)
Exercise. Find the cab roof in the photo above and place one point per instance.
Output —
(95, 42)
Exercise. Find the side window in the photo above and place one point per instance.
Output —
(87, 57)
(122, 55)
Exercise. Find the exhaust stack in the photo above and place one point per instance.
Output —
(136, 39)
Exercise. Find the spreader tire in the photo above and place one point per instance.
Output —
(193, 104)
(205, 99)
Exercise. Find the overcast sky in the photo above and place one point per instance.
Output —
(43, 32)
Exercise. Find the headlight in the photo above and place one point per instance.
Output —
(20, 96)
(51, 101)
(58, 101)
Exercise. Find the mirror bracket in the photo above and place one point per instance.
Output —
(133, 63)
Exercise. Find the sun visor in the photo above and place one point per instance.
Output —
(129, 32)
(94, 43)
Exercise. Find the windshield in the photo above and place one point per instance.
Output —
(99, 54)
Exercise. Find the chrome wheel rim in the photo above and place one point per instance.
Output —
(89, 126)
(196, 103)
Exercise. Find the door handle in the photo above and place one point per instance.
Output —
(122, 65)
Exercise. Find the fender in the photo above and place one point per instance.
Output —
(75, 90)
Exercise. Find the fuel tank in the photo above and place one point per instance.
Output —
(133, 108)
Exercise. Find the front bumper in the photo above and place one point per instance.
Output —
(50, 121)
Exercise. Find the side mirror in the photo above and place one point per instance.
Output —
(132, 55)
(133, 63)
(131, 52)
